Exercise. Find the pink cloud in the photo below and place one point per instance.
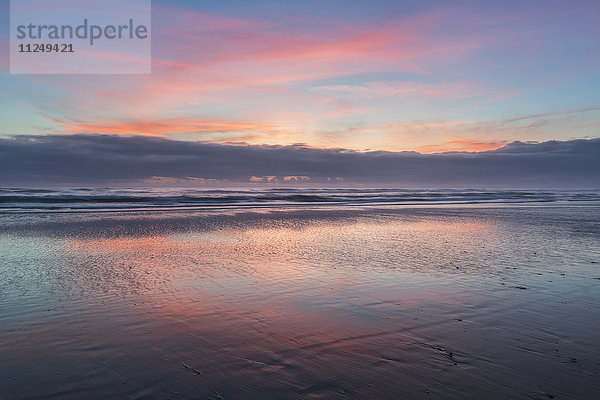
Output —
(202, 58)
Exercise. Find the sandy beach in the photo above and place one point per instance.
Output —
(362, 303)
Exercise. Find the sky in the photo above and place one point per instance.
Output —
(383, 75)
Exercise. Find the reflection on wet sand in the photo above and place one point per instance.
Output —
(433, 304)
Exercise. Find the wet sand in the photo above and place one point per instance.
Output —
(360, 303)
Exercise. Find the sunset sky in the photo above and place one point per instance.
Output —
(379, 75)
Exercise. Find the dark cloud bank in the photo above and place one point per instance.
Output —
(113, 160)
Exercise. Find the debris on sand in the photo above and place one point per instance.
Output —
(218, 396)
(190, 368)
(448, 354)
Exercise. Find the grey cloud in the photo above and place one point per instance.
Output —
(106, 160)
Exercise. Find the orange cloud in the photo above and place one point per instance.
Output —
(296, 178)
(163, 127)
(268, 178)
(458, 144)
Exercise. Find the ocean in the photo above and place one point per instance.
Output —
(182, 198)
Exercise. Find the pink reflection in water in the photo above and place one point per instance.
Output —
(368, 306)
